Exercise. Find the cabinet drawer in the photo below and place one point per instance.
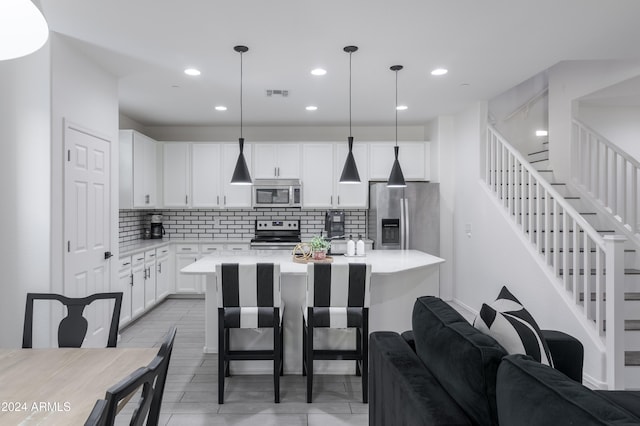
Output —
(137, 258)
(162, 251)
(124, 263)
(187, 248)
(211, 248)
(237, 246)
(150, 255)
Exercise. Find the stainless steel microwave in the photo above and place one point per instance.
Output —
(277, 193)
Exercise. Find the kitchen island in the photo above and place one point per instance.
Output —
(398, 277)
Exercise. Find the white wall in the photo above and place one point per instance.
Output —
(568, 81)
(86, 95)
(621, 125)
(25, 190)
(496, 254)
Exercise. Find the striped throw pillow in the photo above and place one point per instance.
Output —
(511, 325)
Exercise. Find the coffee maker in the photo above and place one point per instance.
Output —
(334, 223)
(157, 229)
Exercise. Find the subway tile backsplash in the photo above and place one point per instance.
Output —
(229, 224)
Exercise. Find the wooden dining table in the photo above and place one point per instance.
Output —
(60, 386)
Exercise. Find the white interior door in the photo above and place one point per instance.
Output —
(87, 226)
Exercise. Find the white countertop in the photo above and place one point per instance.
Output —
(382, 261)
(141, 245)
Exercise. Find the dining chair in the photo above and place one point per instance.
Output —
(99, 414)
(73, 328)
(337, 298)
(150, 380)
(249, 297)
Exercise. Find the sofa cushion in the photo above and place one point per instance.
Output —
(530, 393)
(507, 321)
(462, 359)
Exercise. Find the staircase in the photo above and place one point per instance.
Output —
(571, 236)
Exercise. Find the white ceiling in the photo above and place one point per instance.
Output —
(488, 46)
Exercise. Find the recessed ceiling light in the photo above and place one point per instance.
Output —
(311, 108)
(221, 108)
(402, 107)
(319, 71)
(542, 133)
(439, 71)
(192, 71)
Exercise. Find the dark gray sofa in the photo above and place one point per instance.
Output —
(445, 372)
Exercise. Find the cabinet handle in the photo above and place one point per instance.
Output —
(225, 200)
(331, 202)
(338, 200)
(217, 199)
(186, 200)
(131, 280)
(159, 268)
(275, 171)
(146, 199)
(126, 263)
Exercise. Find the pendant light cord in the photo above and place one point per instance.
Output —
(396, 107)
(241, 53)
(350, 53)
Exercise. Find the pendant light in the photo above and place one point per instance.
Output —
(241, 174)
(350, 171)
(23, 29)
(396, 178)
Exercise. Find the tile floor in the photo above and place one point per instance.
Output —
(190, 396)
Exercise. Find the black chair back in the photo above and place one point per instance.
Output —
(73, 328)
(160, 364)
(99, 414)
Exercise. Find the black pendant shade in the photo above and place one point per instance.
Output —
(396, 178)
(241, 175)
(350, 170)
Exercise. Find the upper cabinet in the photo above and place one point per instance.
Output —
(317, 175)
(352, 195)
(137, 170)
(206, 177)
(176, 190)
(414, 159)
(276, 160)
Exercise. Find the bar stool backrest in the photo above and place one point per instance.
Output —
(338, 285)
(248, 285)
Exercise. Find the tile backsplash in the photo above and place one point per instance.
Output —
(208, 224)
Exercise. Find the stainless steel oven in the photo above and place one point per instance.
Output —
(276, 235)
(277, 193)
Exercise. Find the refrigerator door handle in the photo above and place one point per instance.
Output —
(406, 223)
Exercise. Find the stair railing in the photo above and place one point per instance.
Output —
(570, 247)
(608, 173)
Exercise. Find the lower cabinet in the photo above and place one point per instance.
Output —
(144, 279)
(186, 254)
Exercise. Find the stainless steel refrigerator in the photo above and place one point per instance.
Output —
(405, 218)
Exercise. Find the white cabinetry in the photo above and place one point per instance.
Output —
(276, 160)
(163, 273)
(176, 174)
(352, 195)
(186, 254)
(234, 195)
(149, 278)
(206, 188)
(125, 282)
(137, 285)
(137, 170)
(317, 175)
(414, 159)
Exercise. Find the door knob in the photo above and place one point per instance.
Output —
(107, 255)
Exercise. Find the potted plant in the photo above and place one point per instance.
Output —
(319, 247)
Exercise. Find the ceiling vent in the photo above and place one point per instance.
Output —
(277, 92)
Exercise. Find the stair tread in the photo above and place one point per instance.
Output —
(627, 271)
(600, 231)
(581, 250)
(538, 152)
(539, 161)
(560, 213)
(628, 296)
